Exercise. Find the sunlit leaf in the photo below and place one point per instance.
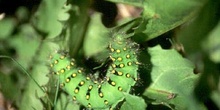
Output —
(173, 79)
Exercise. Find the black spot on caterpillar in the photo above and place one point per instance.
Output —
(121, 75)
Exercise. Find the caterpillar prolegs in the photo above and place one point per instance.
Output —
(120, 77)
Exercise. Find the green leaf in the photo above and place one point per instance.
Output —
(130, 27)
(78, 26)
(22, 14)
(172, 77)
(212, 44)
(6, 27)
(133, 103)
(163, 17)
(208, 81)
(192, 35)
(215, 97)
(96, 36)
(31, 53)
(138, 3)
(65, 103)
(32, 94)
(7, 86)
(26, 43)
(46, 17)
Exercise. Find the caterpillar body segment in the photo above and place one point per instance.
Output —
(121, 75)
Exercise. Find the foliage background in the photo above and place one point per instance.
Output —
(180, 49)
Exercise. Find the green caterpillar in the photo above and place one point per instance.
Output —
(120, 77)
